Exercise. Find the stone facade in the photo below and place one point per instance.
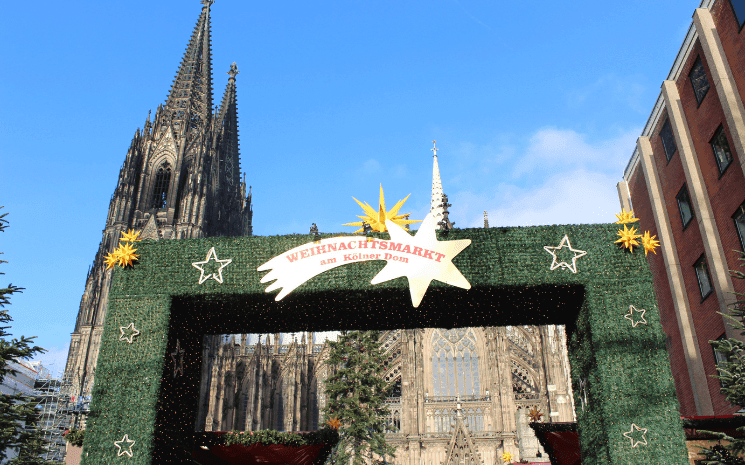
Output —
(493, 375)
(180, 179)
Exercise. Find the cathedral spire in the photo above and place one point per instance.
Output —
(227, 133)
(189, 104)
(436, 205)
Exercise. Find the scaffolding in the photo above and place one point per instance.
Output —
(52, 419)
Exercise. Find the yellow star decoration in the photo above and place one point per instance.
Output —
(625, 217)
(111, 259)
(130, 236)
(535, 414)
(649, 243)
(628, 237)
(126, 255)
(507, 457)
(376, 219)
(334, 423)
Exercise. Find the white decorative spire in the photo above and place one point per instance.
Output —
(436, 206)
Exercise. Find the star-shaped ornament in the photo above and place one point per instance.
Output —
(178, 359)
(535, 414)
(635, 316)
(126, 448)
(583, 392)
(128, 333)
(421, 271)
(562, 264)
(636, 435)
(217, 276)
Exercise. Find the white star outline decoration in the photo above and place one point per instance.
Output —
(211, 255)
(634, 429)
(564, 243)
(178, 359)
(419, 271)
(130, 338)
(630, 316)
(126, 449)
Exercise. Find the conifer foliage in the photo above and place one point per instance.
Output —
(18, 415)
(356, 393)
(732, 377)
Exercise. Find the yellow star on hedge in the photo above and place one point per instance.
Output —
(126, 255)
(110, 259)
(130, 236)
(376, 219)
(649, 243)
(334, 423)
(628, 237)
(625, 217)
(507, 457)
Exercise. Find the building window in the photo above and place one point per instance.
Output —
(160, 192)
(455, 363)
(668, 140)
(739, 218)
(704, 279)
(720, 146)
(738, 7)
(719, 357)
(684, 206)
(698, 80)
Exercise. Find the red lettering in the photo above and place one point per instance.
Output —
(350, 245)
(320, 249)
(342, 246)
(439, 256)
(417, 251)
(332, 247)
(292, 257)
(428, 254)
(394, 247)
(304, 254)
(383, 246)
(406, 249)
(363, 244)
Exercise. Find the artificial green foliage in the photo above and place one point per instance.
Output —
(75, 436)
(627, 368)
(266, 437)
(356, 393)
(732, 377)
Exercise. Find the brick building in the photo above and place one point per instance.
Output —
(686, 184)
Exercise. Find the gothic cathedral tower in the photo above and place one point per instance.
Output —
(180, 179)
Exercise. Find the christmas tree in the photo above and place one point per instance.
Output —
(356, 393)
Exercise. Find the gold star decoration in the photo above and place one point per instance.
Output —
(111, 259)
(376, 219)
(535, 414)
(130, 236)
(334, 423)
(126, 254)
(507, 457)
(649, 243)
(628, 237)
(625, 217)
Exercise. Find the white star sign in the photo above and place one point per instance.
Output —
(421, 258)
(420, 271)
(211, 255)
(635, 319)
(127, 448)
(128, 333)
(564, 243)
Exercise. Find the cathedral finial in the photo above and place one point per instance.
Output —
(434, 147)
(207, 3)
(233, 71)
(486, 219)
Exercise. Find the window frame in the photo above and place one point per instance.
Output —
(721, 135)
(667, 126)
(740, 23)
(702, 265)
(696, 64)
(684, 196)
(740, 214)
(161, 184)
(719, 357)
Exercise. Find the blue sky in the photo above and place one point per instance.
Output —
(535, 109)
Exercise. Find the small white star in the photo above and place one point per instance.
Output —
(130, 338)
(178, 359)
(634, 434)
(640, 318)
(127, 449)
(211, 255)
(565, 243)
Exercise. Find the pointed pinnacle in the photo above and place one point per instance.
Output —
(233, 71)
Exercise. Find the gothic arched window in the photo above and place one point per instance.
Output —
(455, 363)
(160, 191)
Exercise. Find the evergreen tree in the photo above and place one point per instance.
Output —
(18, 415)
(356, 393)
(732, 377)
